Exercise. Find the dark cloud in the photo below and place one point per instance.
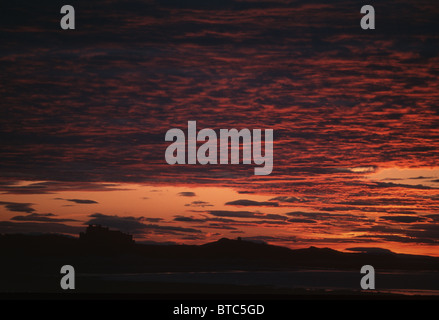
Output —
(140, 68)
(400, 185)
(157, 243)
(152, 219)
(125, 224)
(188, 219)
(268, 219)
(134, 225)
(434, 217)
(274, 216)
(281, 221)
(325, 216)
(38, 227)
(187, 194)
(217, 226)
(403, 219)
(398, 211)
(397, 238)
(193, 237)
(416, 233)
(250, 203)
(18, 206)
(298, 220)
(268, 239)
(337, 208)
(45, 217)
(225, 220)
(236, 214)
(424, 231)
(371, 250)
(246, 214)
(142, 78)
(201, 204)
(170, 229)
(420, 178)
(49, 187)
(380, 201)
(79, 201)
(82, 201)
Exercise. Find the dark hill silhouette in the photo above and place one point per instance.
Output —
(241, 248)
(31, 263)
(218, 255)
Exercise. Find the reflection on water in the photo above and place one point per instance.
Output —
(409, 283)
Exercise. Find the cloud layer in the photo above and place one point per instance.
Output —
(85, 111)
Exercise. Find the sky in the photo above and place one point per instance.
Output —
(355, 115)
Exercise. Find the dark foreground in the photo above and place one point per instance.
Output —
(238, 269)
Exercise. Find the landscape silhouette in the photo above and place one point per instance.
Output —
(110, 261)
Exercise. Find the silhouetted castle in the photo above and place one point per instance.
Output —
(97, 234)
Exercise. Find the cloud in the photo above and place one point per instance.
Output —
(134, 87)
(187, 194)
(82, 201)
(152, 219)
(424, 231)
(157, 243)
(217, 226)
(18, 206)
(246, 214)
(134, 225)
(201, 204)
(416, 233)
(400, 185)
(380, 201)
(397, 238)
(268, 219)
(370, 250)
(326, 216)
(403, 219)
(268, 239)
(420, 178)
(49, 187)
(224, 220)
(126, 224)
(193, 237)
(434, 217)
(170, 229)
(289, 199)
(236, 214)
(38, 227)
(45, 217)
(298, 220)
(280, 221)
(188, 219)
(79, 201)
(274, 216)
(245, 202)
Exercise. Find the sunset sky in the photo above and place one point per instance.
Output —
(355, 114)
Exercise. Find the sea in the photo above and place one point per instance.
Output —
(396, 282)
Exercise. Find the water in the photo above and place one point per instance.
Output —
(401, 282)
